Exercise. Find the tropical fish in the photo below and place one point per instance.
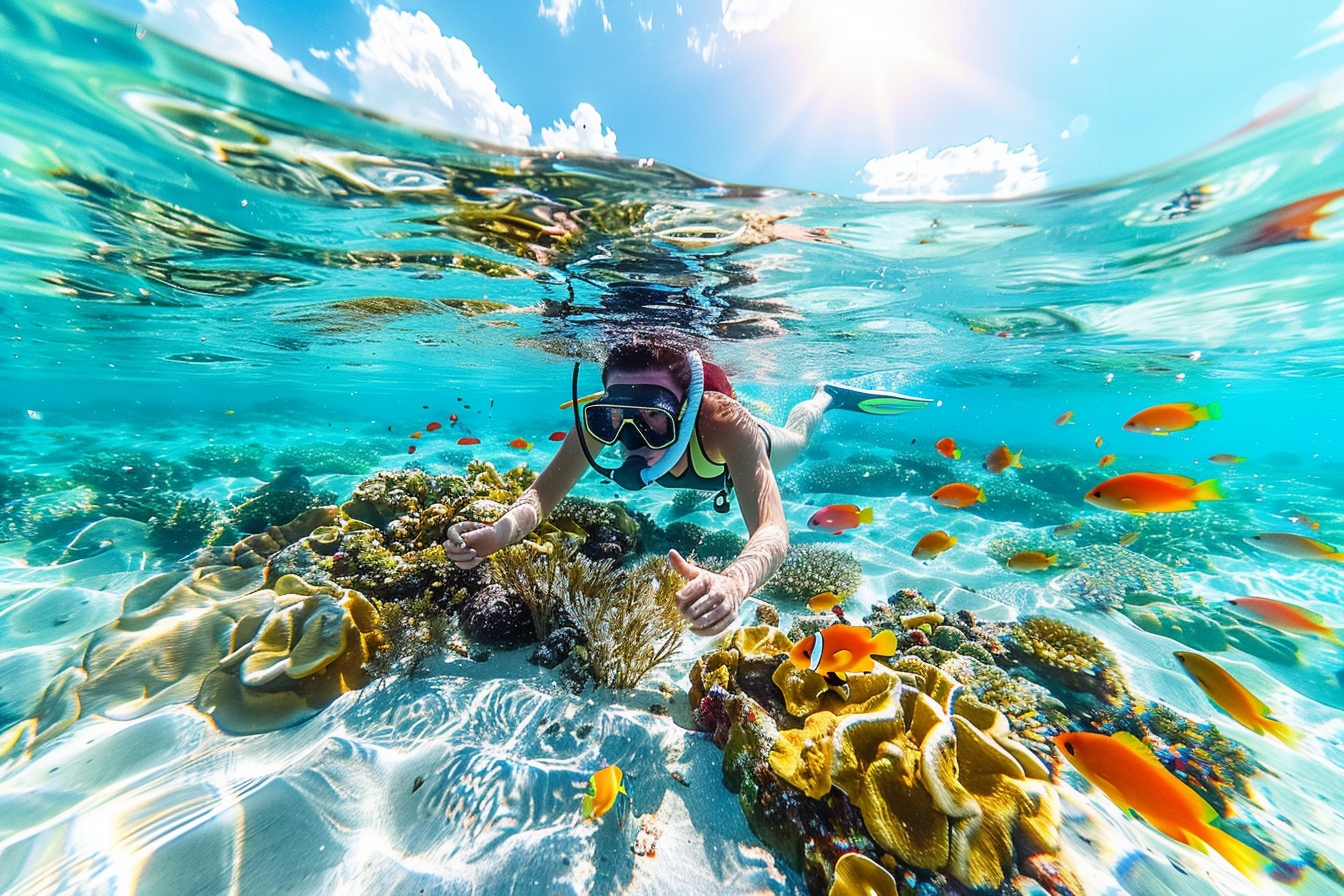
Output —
(1001, 459)
(1129, 538)
(1123, 768)
(1304, 520)
(1106, 460)
(1296, 546)
(1164, 419)
(1141, 493)
(842, 649)
(410, 450)
(1068, 530)
(604, 788)
(1031, 561)
(836, 518)
(1232, 697)
(1287, 617)
(229, 413)
(417, 434)
(1098, 441)
(521, 444)
(824, 601)
(933, 544)
(948, 448)
(557, 436)
(1226, 458)
(433, 427)
(958, 494)
(452, 419)
(468, 440)
(1064, 418)
(1290, 223)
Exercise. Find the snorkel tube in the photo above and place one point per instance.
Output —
(635, 473)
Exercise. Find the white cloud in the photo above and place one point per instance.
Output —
(704, 49)
(741, 16)
(645, 25)
(213, 27)
(408, 69)
(606, 23)
(561, 11)
(584, 135)
(319, 54)
(955, 171)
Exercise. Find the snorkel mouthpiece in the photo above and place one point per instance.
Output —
(631, 473)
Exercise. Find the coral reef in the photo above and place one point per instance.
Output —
(628, 617)
(1072, 664)
(354, 457)
(610, 531)
(229, 460)
(412, 632)
(808, 570)
(939, 782)
(496, 617)
(51, 513)
(128, 471)
(688, 500)
(286, 496)
(188, 524)
(870, 474)
(1107, 573)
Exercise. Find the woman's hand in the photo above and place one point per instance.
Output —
(468, 544)
(709, 600)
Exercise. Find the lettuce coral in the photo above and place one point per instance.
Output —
(808, 570)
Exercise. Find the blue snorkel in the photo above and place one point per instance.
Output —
(634, 473)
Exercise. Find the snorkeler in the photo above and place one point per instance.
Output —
(651, 392)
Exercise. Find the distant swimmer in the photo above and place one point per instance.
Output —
(675, 421)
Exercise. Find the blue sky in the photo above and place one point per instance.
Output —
(808, 92)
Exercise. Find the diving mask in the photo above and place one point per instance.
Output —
(635, 414)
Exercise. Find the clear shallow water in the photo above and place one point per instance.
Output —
(187, 258)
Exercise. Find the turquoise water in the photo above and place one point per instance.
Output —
(194, 257)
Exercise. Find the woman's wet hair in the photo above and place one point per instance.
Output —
(638, 354)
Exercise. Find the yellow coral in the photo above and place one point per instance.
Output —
(760, 639)
(803, 756)
(858, 875)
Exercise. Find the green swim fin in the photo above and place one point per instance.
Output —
(871, 401)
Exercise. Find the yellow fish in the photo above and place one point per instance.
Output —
(1129, 538)
(826, 600)
(933, 544)
(1232, 697)
(1226, 458)
(1068, 530)
(1289, 545)
(1031, 561)
(604, 788)
(1124, 769)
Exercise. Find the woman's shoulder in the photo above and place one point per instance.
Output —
(722, 418)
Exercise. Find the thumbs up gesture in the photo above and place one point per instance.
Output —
(708, 600)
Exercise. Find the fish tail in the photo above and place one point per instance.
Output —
(956, 454)
(1208, 490)
(884, 643)
(1016, 460)
(1332, 635)
(1051, 559)
(1244, 858)
(1211, 411)
(980, 496)
(866, 515)
(1337, 556)
(1281, 731)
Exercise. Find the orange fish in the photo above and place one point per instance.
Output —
(1106, 460)
(1001, 459)
(842, 649)
(434, 427)
(1304, 520)
(1232, 697)
(557, 436)
(604, 788)
(1064, 418)
(452, 419)
(1287, 617)
(1098, 441)
(1226, 458)
(948, 448)
(417, 434)
(1129, 538)
(410, 450)
(521, 444)
(836, 518)
(1290, 223)
(824, 601)
(932, 544)
(1141, 493)
(1164, 419)
(958, 494)
(1031, 561)
(1123, 768)
(468, 440)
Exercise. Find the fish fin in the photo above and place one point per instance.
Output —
(1128, 505)
(980, 496)
(1052, 558)
(866, 515)
(1211, 411)
(587, 807)
(1016, 460)
(952, 539)
(1281, 731)
(884, 643)
(956, 454)
(1246, 859)
(853, 507)
(1208, 490)
(842, 657)
(1332, 635)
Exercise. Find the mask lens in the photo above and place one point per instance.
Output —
(603, 422)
